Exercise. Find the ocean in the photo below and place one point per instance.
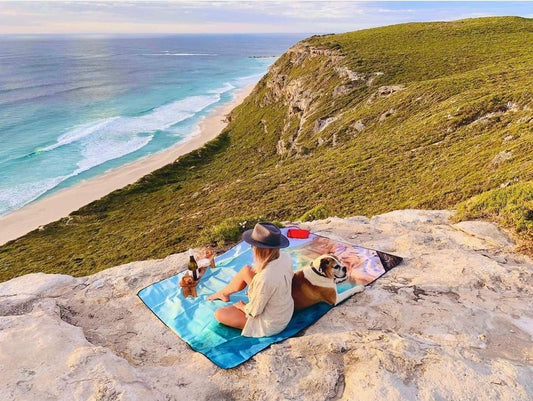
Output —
(72, 108)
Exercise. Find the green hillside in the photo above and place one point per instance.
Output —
(424, 115)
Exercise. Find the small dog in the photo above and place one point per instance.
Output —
(318, 282)
(188, 284)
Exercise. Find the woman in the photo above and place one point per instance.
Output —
(270, 305)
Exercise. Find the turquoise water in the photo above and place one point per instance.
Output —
(74, 107)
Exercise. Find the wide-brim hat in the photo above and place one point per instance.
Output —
(265, 235)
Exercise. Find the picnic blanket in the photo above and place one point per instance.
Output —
(193, 318)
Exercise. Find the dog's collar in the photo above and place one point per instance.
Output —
(318, 272)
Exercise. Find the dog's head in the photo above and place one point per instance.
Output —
(187, 281)
(330, 266)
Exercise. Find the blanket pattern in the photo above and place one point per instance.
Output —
(193, 318)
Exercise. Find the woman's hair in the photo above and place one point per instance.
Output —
(263, 256)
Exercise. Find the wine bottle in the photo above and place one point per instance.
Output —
(193, 266)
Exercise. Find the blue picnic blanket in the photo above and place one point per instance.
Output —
(193, 318)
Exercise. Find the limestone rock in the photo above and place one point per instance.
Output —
(342, 90)
(453, 321)
(322, 123)
(358, 125)
(385, 91)
(486, 232)
(345, 72)
(502, 156)
(389, 90)
(386, 115)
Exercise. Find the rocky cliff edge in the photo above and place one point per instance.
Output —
(453, 322)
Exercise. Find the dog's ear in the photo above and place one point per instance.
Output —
(324, 263)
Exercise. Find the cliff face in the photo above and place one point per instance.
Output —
(453, 321)
(306, 82)
(337, 77)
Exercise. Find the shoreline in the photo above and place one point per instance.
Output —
(60, 204)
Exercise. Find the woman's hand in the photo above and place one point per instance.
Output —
(239, 305)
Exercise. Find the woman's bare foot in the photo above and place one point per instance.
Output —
(218, 295)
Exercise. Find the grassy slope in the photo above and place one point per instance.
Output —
(463, 125)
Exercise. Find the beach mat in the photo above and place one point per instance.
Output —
(193, 318)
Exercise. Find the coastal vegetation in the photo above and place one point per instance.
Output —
(421, 115)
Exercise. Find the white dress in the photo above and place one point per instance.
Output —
(270, 305)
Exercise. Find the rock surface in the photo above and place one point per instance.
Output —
(452, 322)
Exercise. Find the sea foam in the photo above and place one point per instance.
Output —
(78, 133)
(15, 197)
(103, 140)
(113, 130)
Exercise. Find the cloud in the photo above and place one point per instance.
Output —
(235, 16)
(339, 11)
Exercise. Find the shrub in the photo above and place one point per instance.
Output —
(316, 213)
(228, 231)
(511, 206)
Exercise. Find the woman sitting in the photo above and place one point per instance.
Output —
(270, 305)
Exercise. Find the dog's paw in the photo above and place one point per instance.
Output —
(358, 288)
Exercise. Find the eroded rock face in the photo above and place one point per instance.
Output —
(453, 321)
(307, 98)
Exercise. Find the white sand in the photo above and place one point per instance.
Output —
(62, 203)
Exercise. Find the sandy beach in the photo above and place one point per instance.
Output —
(62, 203)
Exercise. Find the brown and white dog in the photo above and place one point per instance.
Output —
(317, 282)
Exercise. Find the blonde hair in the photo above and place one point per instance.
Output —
(263, 256)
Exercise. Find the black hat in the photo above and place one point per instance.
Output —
(265, 235)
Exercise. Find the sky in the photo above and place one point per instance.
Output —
(226, 16)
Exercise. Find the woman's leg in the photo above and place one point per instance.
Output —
(231, 316)
(241, 280)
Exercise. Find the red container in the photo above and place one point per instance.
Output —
(298, 233)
